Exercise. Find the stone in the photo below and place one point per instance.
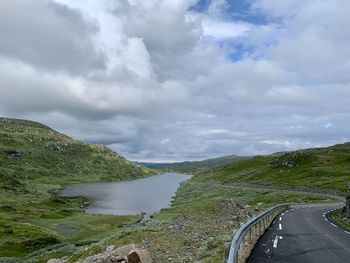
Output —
(119, 259)
(134, 257)
(139, 256)
(56, 260)
(112, 254)
(14, 153)
(125, 250)
(346, 208)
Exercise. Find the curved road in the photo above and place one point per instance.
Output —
(303, 234)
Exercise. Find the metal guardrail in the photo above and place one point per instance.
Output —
(247, 235)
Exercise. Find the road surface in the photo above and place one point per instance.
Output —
(303, 234)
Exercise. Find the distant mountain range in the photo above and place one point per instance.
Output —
(195, 165)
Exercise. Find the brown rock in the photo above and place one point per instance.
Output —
(133, 257)
(139, 256)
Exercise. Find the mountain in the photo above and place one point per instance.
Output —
(321, 169)
(195, 166)
(33, 152)
(35, 161)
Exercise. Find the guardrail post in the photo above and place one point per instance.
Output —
(227, 247)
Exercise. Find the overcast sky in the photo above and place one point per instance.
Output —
(172, 80)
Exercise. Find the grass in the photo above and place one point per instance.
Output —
(337, 218)
(35, 225)
(198, 223)
(319, 169)
(34, 162)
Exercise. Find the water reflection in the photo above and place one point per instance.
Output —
(147, 195)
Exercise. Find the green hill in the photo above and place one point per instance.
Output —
(32, 152)
(320, 169)
(196, 166)
(36, 160)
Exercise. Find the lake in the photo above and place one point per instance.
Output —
(147, 195)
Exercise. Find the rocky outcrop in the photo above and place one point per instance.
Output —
(14, 153)
(124, 254)
(290, 160)
(346, 208)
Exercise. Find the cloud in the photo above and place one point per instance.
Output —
(49, 36)
(164, 81)
(222, 30)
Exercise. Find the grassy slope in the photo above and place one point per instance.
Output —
(34, 160)
(199, 222)
(320, 169)
(203, 214)
(337, 218)
(193, 229)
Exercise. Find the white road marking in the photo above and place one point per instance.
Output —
(280, 226)
(325, 218)
(275, 242)
(283, 214)
(280, 218)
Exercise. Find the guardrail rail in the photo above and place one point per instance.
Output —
(248, 234)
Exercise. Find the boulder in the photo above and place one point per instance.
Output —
(123, 254)
(125, 250)
(58, 260)
(139, 256)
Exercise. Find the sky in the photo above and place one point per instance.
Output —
(174, 80)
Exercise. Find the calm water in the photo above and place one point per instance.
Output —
(147, 195)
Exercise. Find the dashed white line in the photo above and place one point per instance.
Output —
(280, 226)
(325, 218)
(275, 242)
(280, 218)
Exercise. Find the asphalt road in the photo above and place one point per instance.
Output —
(301, 235)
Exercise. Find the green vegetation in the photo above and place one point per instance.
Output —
(337, 218)
(36, 160)
(36, 225)
(319, 169)
(199, 222)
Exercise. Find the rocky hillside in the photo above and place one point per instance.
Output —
(32, 152)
